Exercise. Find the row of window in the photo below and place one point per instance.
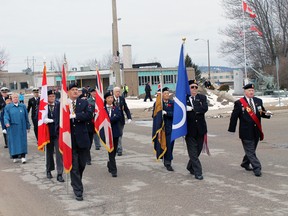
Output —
(221, 77)
(154, 80)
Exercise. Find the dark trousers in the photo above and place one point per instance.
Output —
(112, 161)
(250, 154)
(148, 95)
(50, 148)
(18, 156)
(168, 156)
(5, 139)
(79, 159)
(194, 148)
(35, 125)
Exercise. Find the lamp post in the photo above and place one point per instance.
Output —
(115, 45)
(209, 74)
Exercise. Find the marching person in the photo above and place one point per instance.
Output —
(249, 110)
(3, 102)
(17, 123)
(120, 102)
(80, 114)
(197, 106)
(33, 104)
(115, 116)
(53, 124)
(148, 92)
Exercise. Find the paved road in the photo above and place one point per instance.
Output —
(145, 187)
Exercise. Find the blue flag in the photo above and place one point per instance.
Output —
(179, 127)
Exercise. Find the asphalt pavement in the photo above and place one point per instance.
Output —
(144, 187)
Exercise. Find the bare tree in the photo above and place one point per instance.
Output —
(261, 51)
(105, 63)
(3, 58)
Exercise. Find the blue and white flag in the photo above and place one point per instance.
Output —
(179, 127)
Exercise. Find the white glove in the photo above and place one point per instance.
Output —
(72, 116)
(4, 131)
(164, 112)
(268, 113)
(47, 120)
(129, 121)
(189, 108)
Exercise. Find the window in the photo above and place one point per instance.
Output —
(23, 85)
(155, 80)
(168, 79)
(143, 80)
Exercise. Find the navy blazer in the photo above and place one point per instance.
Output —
(55, 115)
(123, 108)
(114, 119)
(33, 104)
(78, 125)
(196, 123)
(248, 130)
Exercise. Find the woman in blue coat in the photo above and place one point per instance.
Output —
(17, 124)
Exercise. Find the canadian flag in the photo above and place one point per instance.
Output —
(65, 146)
(43, 130)
(254, 28)
(248, 10)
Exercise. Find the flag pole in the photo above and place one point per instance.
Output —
(183, 137)
(244, 44)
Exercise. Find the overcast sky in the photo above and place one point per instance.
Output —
(83, 30)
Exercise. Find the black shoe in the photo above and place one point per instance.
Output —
(114, 175)
(79, 198)
(88, 162)
(5, 146)
(97, 148)
(108, 167)
(247, 168)
(169, 168)
(60, 178)
(191, 171)
(258, 174)
(49, 175)
(119, 154)
(199, 177)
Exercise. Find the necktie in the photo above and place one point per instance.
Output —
(51, 108)
(251, 105)
(109, 110)
(117, 101)
(73, 107)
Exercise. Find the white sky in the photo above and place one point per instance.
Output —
(83, 30)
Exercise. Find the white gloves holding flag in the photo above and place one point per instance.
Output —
(47, 120)
(72, 116)
(129, 121)
(164, 112)
(4, 131)
(189, 108)
(268, 113)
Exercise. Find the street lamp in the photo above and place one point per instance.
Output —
(209, 75)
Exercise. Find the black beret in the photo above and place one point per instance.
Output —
(49, 92)
(92, 90)
(248, 86)
(165, 89)
(107, 94)
(84, 91)
(192, 82)
(83, 95)
(72, 85)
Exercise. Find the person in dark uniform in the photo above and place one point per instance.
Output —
(168, 107)
(80, 114)
(249, 110)
(3, 98)
(120, 102)
(148, 92)
(197, 106)
(33, 104)
(115, 116)
(53, 124)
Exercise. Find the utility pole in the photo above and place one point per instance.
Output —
(115, 45)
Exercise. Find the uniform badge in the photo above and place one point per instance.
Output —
(248, 109)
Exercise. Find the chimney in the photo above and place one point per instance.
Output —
(127, 56)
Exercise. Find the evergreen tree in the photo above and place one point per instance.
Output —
(189, 63)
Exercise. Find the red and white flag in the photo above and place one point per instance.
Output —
(65, 146)
(248, 10)
(43, 129)
(102, 121)
(254, 28)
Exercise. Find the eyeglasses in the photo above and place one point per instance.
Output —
(192, 87)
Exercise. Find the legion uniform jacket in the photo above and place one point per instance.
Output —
(115, 117)
(79, 124)
(33, 103)
(248, 129)
(55, 115)
(196, 124)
